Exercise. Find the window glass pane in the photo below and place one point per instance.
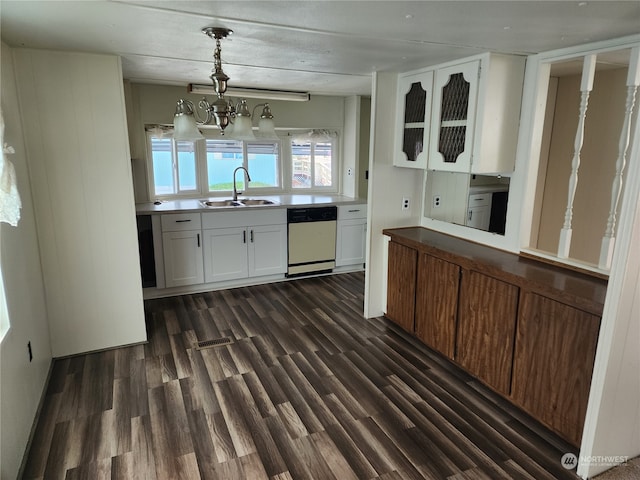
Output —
(263, 164)
(162, 166)
(322, 165)
(223, 157)
(4, 312)
(186, 165)
(301, 165)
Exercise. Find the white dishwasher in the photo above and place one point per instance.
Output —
(311, 240)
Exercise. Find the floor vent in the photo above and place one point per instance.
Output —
(218, 342)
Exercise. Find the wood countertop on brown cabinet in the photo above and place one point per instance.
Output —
(527, 329)
(566, 286)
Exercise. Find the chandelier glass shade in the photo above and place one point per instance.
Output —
(221, 112)
(184, 123)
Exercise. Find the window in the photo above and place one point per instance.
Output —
(223, 157)
(4, 313)
(312, 165)
(203, 168)
(174, 166)
(262, 161)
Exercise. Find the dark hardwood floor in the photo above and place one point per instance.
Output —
(307, 389)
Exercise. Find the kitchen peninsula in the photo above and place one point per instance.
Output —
(514, 323)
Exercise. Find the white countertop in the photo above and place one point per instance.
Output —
(194, 205)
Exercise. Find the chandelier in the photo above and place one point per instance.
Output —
(220, 112)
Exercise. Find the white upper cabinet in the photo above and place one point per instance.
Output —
(413, 115)
(454, 117)
(476, 114)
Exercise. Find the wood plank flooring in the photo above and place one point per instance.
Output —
(308, 389)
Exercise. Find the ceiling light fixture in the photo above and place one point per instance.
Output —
(221, 112)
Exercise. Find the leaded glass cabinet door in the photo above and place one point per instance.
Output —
(413, 115)
(454, 112)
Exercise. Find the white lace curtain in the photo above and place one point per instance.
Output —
(9, 197)
(314, 136)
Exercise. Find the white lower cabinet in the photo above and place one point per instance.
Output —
(239, 249)
(225, 254)
(182, 249)
(267, 250)
(479, 211)
(351, 235)
(479, 217)
(182, 258)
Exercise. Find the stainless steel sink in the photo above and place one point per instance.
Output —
(256, 201)
(220, 203)
(249, 202)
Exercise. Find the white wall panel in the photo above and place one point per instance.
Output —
(78, 153)
(387, 186)
(21, 381)
(612, 426)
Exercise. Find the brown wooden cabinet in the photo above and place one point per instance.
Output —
(401, 285)
(554, 353)
(437, 303)
(486, 328)
(526, 329)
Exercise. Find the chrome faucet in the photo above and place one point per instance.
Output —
(235, 189)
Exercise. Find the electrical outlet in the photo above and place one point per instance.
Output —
(349, 171)
(406, 203)
(437, 201)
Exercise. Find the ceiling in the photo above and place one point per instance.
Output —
(323, 47)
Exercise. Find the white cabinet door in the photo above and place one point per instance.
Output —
(413, 114)
(454, 112)
(476, 115)
(225, 254)
(241, 252)
(479, 217)
(350, 242)
(267, 250)
(182, 258)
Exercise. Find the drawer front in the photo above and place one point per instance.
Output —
(480, 200)
(177, 222)
(347, 212)
(244, 216)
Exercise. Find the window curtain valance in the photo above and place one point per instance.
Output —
(160, 131)
(314, 136)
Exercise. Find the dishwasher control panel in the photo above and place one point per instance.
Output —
(312, 214)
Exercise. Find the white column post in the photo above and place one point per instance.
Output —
(586, 85)
(609, 239)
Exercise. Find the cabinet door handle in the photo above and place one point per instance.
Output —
(353, 211)
(198, 236)
(244, 236)
(251, 236)
(183, 221)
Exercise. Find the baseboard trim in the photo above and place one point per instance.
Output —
(34, 425)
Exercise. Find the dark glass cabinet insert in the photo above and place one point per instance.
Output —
(414, 118)
(453, 117)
